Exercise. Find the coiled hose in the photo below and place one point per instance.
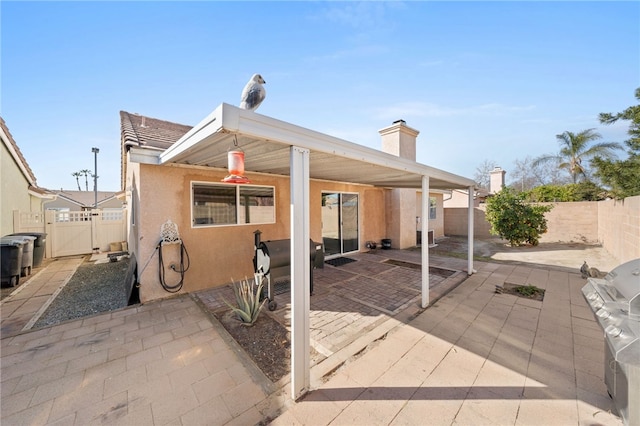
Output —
(161, 271)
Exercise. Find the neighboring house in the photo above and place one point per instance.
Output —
(85, 200)
(20, 192)
(355, 194)
(460, 197)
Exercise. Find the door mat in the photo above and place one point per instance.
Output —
(433, 270)
(339, 261)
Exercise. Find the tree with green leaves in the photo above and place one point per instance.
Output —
(622, 176)
(583, 191)
(86, 172)
(576, 148)
(77, 176)
(515, 220)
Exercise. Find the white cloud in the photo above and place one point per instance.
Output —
(359, 51)
(425, 109)
(360, 15)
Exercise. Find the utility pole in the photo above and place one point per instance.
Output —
(95, 176)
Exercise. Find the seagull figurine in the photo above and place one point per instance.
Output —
(253, 93)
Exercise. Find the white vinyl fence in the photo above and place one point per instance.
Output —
(74, 232)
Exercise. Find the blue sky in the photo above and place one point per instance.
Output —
(480, 80)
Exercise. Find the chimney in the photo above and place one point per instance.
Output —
(497, 180)
(399, 139)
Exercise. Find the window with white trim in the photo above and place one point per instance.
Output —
(224, 204)
(432, 208)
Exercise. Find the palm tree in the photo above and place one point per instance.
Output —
(575, 148)
(86, 172)
(77, 175)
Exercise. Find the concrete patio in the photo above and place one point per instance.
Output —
(474, 357)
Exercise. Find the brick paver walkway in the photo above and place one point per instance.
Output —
(474, 357)
(160, 363)
(21, 309)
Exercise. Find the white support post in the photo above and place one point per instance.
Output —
(470, 233)
(300, 271)
(425, 241)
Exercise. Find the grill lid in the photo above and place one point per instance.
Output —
(623, 285)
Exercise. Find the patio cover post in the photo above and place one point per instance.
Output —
(425, 240)
(300, 269)
(470, 233)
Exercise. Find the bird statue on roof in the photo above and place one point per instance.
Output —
(253, 93)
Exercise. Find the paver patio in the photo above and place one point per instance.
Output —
(474, 357)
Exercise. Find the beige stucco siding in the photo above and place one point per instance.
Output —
(219, 254)
(438, 224)
(15, 195)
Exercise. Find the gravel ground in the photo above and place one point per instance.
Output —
(94, 288)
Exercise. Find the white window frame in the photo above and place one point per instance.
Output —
(433, 209)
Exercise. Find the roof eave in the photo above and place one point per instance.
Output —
(227, 119)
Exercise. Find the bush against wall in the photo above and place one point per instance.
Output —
(582, 191)
(515, 220)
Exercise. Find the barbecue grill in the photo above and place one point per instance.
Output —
(615, 301)
(273, 260)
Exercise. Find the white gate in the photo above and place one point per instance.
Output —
(78, 232)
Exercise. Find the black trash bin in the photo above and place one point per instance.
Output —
(10, 260)
(38, 246)
(27, 252)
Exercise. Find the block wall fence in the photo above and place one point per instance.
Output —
(615, 224)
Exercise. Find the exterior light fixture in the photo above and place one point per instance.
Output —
(235, 161)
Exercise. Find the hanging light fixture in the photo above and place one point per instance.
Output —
(235, 162)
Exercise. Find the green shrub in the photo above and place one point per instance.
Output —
(583, 191)
(248, 299)
(514, 220)
(551, 193)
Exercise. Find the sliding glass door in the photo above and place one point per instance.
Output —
(339, 223)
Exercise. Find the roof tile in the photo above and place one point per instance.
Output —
(150, 132)
(31, 177)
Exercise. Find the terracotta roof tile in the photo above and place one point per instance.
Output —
(150, 132)
(31, 177)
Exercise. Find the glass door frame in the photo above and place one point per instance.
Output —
(341, 224)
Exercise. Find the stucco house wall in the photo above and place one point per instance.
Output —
(220, 254)
(459, 198)
(18, 188)
(14, 191)
(436, 224)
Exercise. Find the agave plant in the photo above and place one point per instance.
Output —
(247, 294)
